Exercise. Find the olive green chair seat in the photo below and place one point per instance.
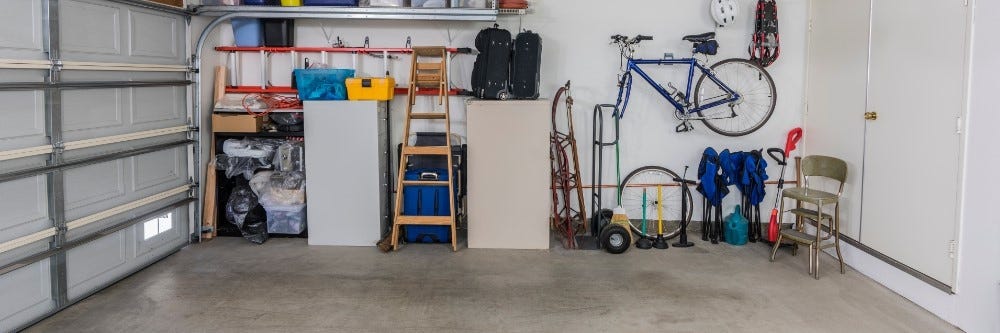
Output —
(823, 236)
(807, 195)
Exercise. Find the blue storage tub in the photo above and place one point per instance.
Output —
(353, 3)
(322, 84)
(248, 32)
(260, 2)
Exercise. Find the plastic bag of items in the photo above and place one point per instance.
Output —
(246, 156)
(244, 210)
(290, 156)
(282, 194)
(280, 188)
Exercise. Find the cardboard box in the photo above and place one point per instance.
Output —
(236, 123)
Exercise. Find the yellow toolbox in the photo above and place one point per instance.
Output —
(371, 89)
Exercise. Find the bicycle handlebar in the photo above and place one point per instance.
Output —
(633, 40)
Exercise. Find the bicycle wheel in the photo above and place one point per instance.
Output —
(746, 115)
(649, 179)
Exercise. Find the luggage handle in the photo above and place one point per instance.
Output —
(429, 176)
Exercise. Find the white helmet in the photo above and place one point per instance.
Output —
(724, 11)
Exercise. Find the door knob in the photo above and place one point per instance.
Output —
(871, 115)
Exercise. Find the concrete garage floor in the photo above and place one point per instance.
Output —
(228, 285)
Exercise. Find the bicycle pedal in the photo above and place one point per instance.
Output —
(684, 127)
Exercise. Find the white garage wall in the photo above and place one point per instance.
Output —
(576, 47)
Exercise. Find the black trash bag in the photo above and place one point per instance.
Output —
(245, 212)
(255, 225)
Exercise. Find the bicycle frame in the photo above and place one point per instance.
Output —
(625, 85)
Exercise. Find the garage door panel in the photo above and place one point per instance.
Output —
(119, 33)
(88, 76)
(89, 189)
(89, 27)
(157, 105)
(85, 265)
(153, 35)
(89, 109)
(21, 32)
(26, 212)
(127, 145)
(23, 122)
(145, 244)
(26, 295)
(159, 171)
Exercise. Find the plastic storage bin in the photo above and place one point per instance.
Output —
(430, 3)
(371, 89)
(248, 32)
(330, 2)
(386, 3)
(322, 84)
(288, 220)
(220, 2)
(291, 3)
(278, 32)
(260, 2)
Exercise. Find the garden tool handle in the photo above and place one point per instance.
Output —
(793, 139)
(778, 155)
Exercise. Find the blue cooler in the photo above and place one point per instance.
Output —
(430, 200)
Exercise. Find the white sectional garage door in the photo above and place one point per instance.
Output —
(95, 148)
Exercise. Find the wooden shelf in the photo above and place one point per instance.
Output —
(264, 134)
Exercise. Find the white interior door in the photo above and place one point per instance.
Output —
(912, 152)
(837, 89)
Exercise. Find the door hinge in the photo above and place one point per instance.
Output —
(952, 248)
(811, 23)
(958, 125)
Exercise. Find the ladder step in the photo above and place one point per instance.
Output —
(425, 183)
(427, 150)
(428, 116)
(429, 77)
(423, 220)
(429, 51)
(429, 66)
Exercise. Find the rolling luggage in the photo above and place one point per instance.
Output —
(525, 68)
(491, 72)
(430, 200)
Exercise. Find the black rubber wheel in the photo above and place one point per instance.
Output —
(646, 179)
(751, 112)
(615, 239)
(600, 220)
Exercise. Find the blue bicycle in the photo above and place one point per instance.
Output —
(734, 97)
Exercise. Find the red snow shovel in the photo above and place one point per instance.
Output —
(781, 156)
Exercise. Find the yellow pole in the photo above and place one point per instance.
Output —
(659, 209)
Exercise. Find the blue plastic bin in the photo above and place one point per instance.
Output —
(330, 3)
(248, 32)
(260, 2)
(322, 84)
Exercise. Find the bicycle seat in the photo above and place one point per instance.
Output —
(700, 38)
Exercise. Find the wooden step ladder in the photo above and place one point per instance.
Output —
(428, 70)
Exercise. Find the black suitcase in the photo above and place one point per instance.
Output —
(525, 68)
(491, 73)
